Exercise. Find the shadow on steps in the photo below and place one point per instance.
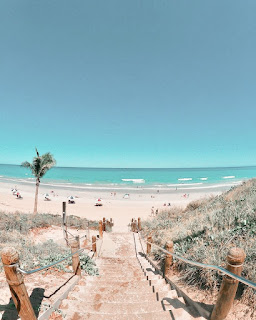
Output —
(195, 308)
(10, 311)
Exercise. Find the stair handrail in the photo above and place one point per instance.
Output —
(204, 265)
(49, 265)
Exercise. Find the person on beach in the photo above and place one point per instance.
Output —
(152, 212)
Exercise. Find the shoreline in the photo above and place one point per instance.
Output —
(136, 187)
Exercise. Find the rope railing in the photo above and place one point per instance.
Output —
(51, 264)
(70, 233)
(204, 265)
(232, 273)
(14, 273)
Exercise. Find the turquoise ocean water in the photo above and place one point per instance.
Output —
(133, 178)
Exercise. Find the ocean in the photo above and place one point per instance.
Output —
(106, 178)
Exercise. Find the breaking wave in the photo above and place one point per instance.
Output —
(134, 180)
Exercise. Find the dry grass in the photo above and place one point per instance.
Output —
(206, 230)
(25, 222)
(14, 229)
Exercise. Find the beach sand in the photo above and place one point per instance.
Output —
(121, 210)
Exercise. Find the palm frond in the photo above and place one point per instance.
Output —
(48, 160)
(26, 164)
(40, 165)
(37, 164)
(37, 152)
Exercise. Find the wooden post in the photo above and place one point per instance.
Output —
(88, 230)
(64, 221)
(94, 247)
(235, 260)
(149, 244)
(104, 224)
(111, 222)
(132, 225)
(100, 229)
(17, 287)
(168, 258)
(135, 226)
(139, 224)
(75, 245)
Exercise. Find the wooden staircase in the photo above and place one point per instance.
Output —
(128, 287)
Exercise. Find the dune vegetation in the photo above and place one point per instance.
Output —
(14, 232)
(205, 231)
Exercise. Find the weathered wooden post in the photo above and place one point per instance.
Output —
(88, 230)
(168, 258)
(139, 224)
(94, 248)
(64, 221)
(100, 229)
(149, 241)
(135, 226)
(111, 222)
(75, 246)
(104, 224)
(235, 260)
(17, 287)
(132, 225)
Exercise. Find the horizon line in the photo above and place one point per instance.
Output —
(211, 167)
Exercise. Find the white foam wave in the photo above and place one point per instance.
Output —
(216, 186)
(185, 179)
(184, 185)
(229, 177)
(134, 180)
(203, 179)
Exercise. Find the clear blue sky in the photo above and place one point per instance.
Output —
(136, 83)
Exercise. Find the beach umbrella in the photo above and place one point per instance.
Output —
(46, 195)
(71, 198)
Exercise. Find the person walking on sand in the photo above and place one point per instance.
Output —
(152, 212)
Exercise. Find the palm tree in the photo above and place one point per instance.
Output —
(39, 167)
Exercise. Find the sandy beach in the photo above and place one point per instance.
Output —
(139, 203)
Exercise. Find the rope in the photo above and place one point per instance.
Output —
(51, 264)
(206, 266)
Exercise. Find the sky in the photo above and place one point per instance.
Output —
(136, 83)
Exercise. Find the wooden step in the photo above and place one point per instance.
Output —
(135, 316)
(112, 308)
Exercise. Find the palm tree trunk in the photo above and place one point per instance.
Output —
(36, 196)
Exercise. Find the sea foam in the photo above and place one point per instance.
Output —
(185, 179)
(229, 177)
(134, 180)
